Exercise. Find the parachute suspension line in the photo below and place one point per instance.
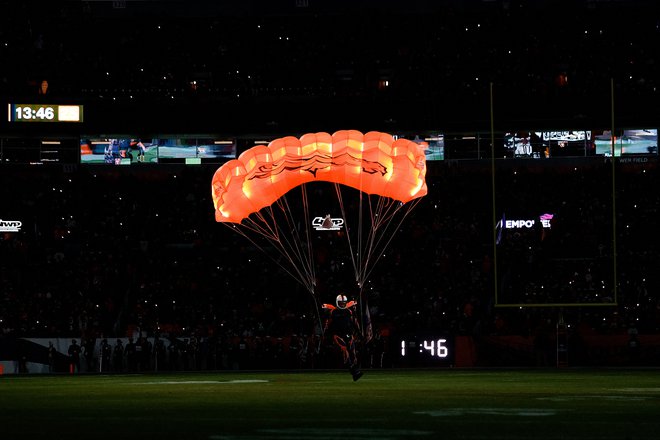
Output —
(290, 248)
(356, 264)
(364, 324)
(382, 216)
(382, 229)
(359, 270)
(308, 233)
(310, 262)
(260, 227)
(268, 228)
(375, 216)
(407, 209)
(382, 213)
(305, 256)
(365, 246)
(237, 228)
(317, 309)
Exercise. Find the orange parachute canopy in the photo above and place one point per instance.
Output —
(374, 163)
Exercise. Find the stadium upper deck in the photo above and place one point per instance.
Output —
(307, 65)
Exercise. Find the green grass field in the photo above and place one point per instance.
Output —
(384, 404)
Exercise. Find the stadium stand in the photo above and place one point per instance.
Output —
(118, 252)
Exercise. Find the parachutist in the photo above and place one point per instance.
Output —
(388, 173)
(344, 329)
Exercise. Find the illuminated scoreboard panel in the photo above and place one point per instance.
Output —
(426, 350)
(44, 113)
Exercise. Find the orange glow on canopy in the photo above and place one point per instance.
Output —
(374, 163)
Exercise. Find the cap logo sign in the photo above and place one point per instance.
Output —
(327, 223)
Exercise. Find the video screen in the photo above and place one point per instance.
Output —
(566, 143)
(176, 148)
(436, 147)
(216, 149)
(433, 144)
(203, 148)
(117, 150)
(545, 144)
(127, 150)
(524, 144)
(639, 141)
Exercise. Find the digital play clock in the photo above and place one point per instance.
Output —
(45, 113)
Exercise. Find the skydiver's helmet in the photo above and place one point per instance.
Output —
(341, 301)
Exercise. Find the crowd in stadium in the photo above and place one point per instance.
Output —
(111, 253)
(441, 56)
(107, 252)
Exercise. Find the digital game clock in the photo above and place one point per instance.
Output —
(45, 113)
(426, 350)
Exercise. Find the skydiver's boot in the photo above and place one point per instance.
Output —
(355, 372)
